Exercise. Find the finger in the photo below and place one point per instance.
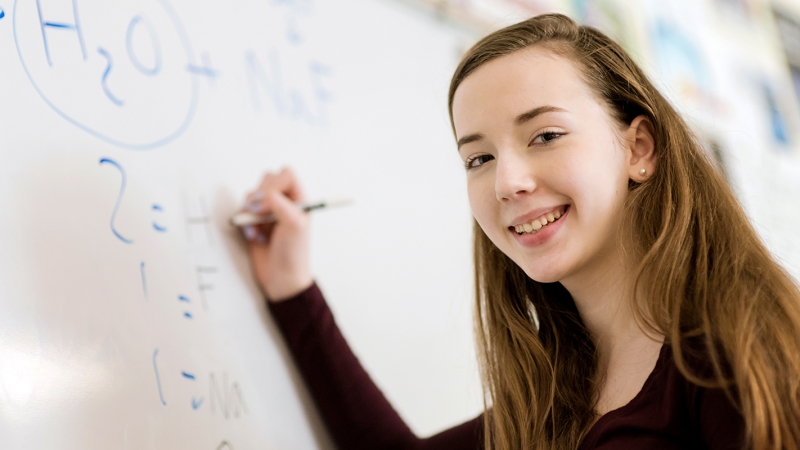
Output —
(254, 197)
(284, 182)
(250, 232)
(264, 232)
(285, 210)
(254, 201)
(294, 191)
(257, 234)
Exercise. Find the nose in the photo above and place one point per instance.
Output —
(513, 177)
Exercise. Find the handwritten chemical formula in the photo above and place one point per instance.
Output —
(128, 75)
(108, 70)
(179, 384)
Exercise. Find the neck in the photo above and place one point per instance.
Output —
(603, 296)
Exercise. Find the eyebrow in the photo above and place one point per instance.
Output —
(526, 116)
(522, 118)
(469, 138)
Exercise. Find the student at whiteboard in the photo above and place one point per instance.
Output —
(623, 299)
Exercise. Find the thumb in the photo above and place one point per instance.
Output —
(285, 211)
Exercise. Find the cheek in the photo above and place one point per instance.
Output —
(599, 196)
(477, 200)
(483, 202)
(599, 175)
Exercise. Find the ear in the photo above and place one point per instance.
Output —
(641, 144)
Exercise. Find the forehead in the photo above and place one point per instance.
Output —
(507, 86)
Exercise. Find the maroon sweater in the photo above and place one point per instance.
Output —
(669, 413)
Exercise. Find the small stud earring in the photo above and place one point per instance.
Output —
(643, 172)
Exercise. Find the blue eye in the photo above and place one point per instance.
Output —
(473, 162)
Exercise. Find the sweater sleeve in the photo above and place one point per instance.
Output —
(354, 410)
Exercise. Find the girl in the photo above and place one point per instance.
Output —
(623, 299)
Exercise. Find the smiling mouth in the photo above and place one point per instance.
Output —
(538, 223)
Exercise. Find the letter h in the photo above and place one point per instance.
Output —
(76, 26)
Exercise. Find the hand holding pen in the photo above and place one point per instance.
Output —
(279, 249)
(245, 219)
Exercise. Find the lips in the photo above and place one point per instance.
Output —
(545, 233)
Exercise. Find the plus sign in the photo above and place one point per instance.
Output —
(206, 69)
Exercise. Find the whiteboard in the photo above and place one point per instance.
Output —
(131, 130)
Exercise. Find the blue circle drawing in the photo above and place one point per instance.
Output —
(2, 13)
(151, 145)
(153, 40)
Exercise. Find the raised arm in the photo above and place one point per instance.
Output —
(355, 412)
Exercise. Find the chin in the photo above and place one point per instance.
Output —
(544, 279)
(547, 268)
(544, 275)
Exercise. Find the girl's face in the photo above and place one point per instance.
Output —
(541, 149)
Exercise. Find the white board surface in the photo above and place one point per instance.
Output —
(131, 130)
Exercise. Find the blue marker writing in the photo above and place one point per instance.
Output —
(158, 380)
(144, 280)
(110, 64)
(119, 198)
(196, 403)
(149, 71)
(157, 227)
(60, 25)
(205, 69)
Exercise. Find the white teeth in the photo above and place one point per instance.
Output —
(537, 224)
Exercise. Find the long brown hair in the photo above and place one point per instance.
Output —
(702, 274)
